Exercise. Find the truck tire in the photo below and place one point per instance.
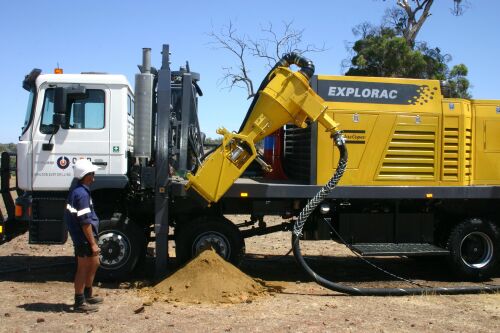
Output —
(218, 232)
(474, 249)
(122, 243)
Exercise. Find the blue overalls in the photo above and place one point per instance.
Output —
(79, 211)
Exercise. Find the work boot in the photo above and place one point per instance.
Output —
(80, 305)
(91, 299)
(85, 308)
(94, 300)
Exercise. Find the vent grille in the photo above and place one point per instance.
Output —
(468, 155)
(297, 153)
(451, 153)
(410, 156)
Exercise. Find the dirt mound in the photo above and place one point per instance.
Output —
(209, 279)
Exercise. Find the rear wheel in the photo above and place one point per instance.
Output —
(216, 232)
(473, 246)
(122, 243)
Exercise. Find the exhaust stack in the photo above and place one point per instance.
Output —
(143, 122)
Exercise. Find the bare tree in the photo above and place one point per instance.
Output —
(270, 48)
(228, 39)
(412, 15)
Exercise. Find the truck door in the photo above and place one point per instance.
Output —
(486, 168)
(85, 135)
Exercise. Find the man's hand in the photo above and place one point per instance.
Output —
(87, 231)
(95, 249)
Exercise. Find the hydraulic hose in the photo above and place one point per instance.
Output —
(315, 201)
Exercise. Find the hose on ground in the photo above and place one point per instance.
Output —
(315, 201)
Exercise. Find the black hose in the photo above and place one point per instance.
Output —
(292, 58)
(309, 208)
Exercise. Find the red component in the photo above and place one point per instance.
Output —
(273, 155)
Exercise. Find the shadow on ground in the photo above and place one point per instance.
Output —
(46, 307)
(347, 269)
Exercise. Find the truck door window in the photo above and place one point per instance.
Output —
(87, 113)
(29, 111)
(47, 112)
(130, 106)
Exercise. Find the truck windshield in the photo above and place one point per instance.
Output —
(29, 110)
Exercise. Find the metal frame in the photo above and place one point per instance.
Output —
(5, 184)
(314, 140)
(254, 189)
(162, 163)
(185, 121)
(173, 122)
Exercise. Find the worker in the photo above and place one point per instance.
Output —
(83, 226)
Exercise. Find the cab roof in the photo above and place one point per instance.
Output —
(110, 79)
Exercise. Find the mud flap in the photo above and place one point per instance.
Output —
(47, 225)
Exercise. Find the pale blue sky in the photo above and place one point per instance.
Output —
(108, 36)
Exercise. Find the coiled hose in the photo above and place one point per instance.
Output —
(315, 201)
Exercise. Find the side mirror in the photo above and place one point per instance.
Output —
(59, 120)
(60, 101)
(61, 97)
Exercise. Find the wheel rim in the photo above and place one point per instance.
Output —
(476, 249)
(218, 241)
(115, 249)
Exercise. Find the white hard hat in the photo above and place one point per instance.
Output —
(83, 167)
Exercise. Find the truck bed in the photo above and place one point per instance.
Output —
(267, 189)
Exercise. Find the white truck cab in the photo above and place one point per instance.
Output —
(98, 126)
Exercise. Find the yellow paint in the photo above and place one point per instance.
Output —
(433, 142)
(420, 140)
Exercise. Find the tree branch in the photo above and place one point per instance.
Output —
(269, 48)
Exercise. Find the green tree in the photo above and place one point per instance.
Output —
(390, 50)
(383, 53)
(10, 147)
(459, 84)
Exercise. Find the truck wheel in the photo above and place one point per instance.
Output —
(218, 232)
(473, 246)
(122, 243)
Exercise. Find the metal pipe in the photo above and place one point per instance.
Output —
(146, 60)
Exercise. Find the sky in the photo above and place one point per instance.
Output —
(108, 36)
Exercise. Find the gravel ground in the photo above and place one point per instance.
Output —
(40, 299)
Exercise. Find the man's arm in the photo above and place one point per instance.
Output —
(87, 231)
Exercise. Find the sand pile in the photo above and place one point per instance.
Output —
(209, 279)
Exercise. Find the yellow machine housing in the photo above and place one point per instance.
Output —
(403, 132)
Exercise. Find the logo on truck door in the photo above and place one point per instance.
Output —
(375, 92)
(63, 162)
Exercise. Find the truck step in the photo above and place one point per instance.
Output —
(401, 249)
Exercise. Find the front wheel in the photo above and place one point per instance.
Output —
(473, 246)
(121, 242)
(217, 232)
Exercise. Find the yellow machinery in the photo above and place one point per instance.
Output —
(403, 132)
(286, 98)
